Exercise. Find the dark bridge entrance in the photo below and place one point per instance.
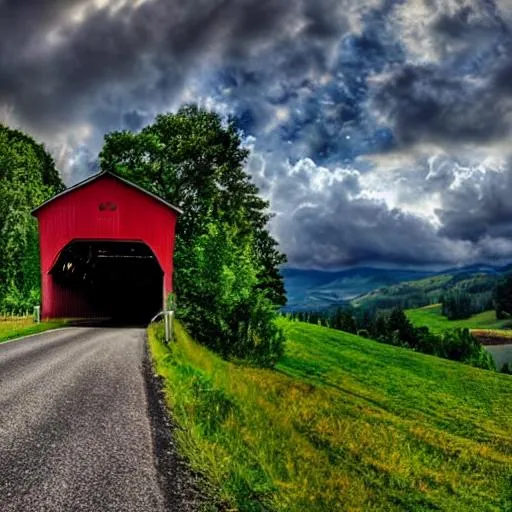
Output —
(106, 251)
(119, 281)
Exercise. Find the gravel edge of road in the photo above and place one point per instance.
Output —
(183, 489)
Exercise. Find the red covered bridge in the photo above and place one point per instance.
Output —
(106, 251)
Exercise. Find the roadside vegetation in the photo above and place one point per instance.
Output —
(342, 423)
(15, 327)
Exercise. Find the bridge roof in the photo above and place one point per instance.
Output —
(97, 177)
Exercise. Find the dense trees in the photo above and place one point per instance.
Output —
(506, 369)
(459, 303)
(479, 286)
(503, 297)
(456, 305)
(27, 178)
(227, 277)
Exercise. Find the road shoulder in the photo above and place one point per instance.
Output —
(183, 489)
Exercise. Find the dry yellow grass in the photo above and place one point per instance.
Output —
(493, 333)
(14, 327)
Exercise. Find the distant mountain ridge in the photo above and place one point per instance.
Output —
(316, 289)
(478, 268)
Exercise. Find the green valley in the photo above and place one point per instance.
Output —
(431, 317)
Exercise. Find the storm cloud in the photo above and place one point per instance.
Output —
(62, 62)
(324, 220)
(428, 104)
(378, 130)
(463, 96)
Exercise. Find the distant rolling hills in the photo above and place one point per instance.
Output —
(370, 287)
(316, 289)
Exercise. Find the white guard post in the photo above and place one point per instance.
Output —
(37, 314)
(168, 323)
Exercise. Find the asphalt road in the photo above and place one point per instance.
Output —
(76, 432)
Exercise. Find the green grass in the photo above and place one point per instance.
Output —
(343, 423)
(10, 329)
(431, 317)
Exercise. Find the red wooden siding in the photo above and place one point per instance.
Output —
(104, 208)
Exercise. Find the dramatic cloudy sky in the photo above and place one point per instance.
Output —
(380, 130)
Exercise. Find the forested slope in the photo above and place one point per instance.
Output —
(478, 283)
(27, 178)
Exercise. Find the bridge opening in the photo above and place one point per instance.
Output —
(113, 281)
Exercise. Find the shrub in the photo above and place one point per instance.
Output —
(460, 345)
(228, 313)
(507, 369)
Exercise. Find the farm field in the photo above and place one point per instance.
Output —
(431, 317)
(494, 334)
(14, 327)
(343, 423)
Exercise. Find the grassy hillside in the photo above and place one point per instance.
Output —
(431, 317)
(343, 423)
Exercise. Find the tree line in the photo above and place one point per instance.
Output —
(395, 328)
(461, 303)
(457, 304)
(28, 177)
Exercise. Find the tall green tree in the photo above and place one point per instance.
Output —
(503, 297)
(27, 178)
(456, 304)
(195, 161)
